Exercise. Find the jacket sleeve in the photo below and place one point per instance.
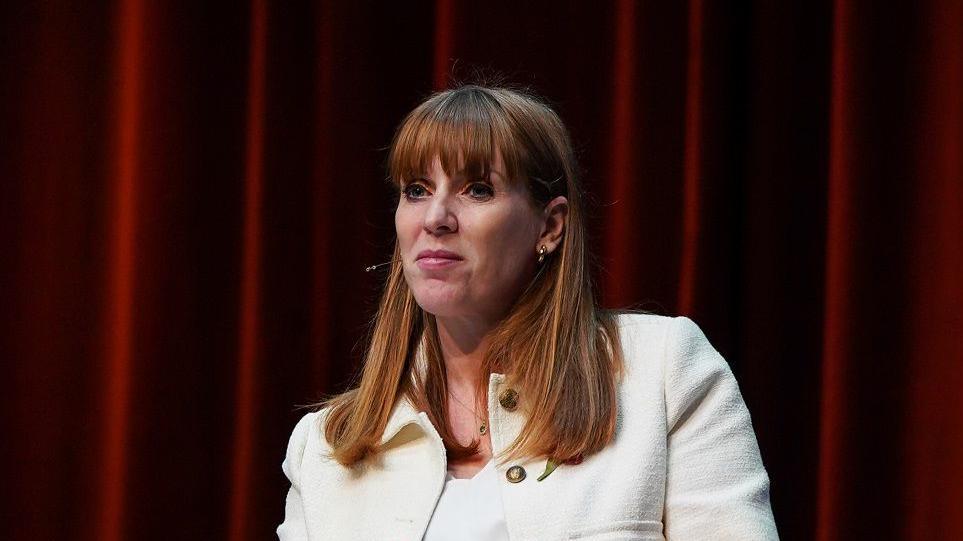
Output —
(294, 528)
(716, 485)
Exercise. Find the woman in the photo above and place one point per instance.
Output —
(497, 400)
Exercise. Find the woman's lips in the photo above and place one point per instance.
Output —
(437, 259)
(432, 263)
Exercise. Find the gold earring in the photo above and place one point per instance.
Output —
(541, 253)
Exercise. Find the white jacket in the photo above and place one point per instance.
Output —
(684, 463)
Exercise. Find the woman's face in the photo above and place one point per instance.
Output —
(468, 246)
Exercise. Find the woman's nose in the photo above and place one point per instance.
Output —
(440, 217)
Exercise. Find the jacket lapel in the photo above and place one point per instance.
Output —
(389, 496)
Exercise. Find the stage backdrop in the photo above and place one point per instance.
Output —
(192, 189)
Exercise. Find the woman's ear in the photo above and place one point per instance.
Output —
(556, 215)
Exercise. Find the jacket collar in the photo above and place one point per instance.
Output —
(403, 414)
(504, 427)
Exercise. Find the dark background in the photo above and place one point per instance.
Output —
(190, 191)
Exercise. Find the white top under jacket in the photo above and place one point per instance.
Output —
(470, 509)
(684, 464)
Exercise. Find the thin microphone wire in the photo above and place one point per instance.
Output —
(373, 267)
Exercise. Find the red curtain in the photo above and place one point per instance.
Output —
(192, 190)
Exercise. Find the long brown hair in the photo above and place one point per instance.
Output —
(556, 346)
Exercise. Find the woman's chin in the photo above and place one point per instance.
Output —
(441, 303)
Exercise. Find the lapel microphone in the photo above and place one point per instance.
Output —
(373, 267)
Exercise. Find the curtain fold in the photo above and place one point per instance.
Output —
(193, 190)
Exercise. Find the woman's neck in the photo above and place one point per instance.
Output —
(463, 345)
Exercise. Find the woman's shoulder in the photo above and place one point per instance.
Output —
(634, 319)
(307, 433)
(673, 346)
(655, 330)
(310, 420)
(310, 424)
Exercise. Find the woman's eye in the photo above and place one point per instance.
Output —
(480, 190)
(413, 191)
